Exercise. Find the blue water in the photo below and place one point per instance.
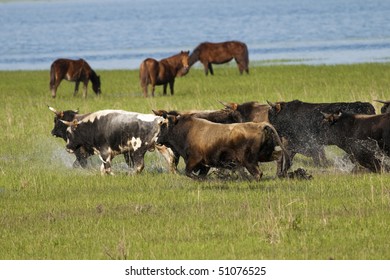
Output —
(119, 34)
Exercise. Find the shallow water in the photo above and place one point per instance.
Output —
(120, 34)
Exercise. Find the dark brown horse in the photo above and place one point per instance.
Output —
(218, 53)
(163, 72)
(75, 71)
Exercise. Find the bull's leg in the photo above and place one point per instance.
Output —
(193, 163)
(254, 170)
(322, 157)
(76, 88)
(139, 163)
(169, 156)
(105, 168)
(153, 89)
(81, 158)
(203, 170)
(129, 159)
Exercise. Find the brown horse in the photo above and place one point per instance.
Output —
(75, 71)
(163, 72)
(218, 53)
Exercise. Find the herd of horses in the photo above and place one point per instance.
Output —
(153, 72)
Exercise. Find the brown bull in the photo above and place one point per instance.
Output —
(204, 144)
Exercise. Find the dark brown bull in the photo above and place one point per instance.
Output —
(163, 72)
(300, 123)
(76, 71)
(218, 53)
(365, 138)
(204, 144)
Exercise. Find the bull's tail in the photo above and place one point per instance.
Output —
(285, 160)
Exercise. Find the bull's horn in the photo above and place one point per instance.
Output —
(53, 110)
(271, 104)
(66, 123)
(326, 115)
(384, 102)
(73, 123)
(232, 106)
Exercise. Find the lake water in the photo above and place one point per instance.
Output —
(119, 34)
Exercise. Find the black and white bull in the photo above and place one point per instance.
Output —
(204, 144)
(112, 132)
(300, 123)
(59, 130)
(355, 133)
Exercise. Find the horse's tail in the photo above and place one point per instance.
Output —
(144, 74)
(245, 56)
(52, 76)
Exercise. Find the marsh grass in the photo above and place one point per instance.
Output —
(48, 210)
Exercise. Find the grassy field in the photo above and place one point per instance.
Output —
(48, 210)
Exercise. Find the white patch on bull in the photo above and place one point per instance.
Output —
(97, 115)
(136, 143)
(147, 117)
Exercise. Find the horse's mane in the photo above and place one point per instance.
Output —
(94, 77)
(194, 57)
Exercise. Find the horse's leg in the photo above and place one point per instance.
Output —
(171, 84)
(76, 88)
(85, 88)
(54, 89)
(242, 65)
(145, 88)
(165, 89)
(211, 68)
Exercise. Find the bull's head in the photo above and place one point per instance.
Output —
(169, 117)
(59, 129)
(386, 107)
(276, 107)
(59, 114)
(331, 118)
(232, 106)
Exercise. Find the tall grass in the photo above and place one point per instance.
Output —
(48, 210)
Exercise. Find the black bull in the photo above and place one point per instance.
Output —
(365, 137)
(301, 123)
(204, 144)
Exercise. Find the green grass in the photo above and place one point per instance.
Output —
(48, 210)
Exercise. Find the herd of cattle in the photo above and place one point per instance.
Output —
(234, 137)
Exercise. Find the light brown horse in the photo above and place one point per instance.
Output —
(217, 53)
(75, 71)
(163, 72)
